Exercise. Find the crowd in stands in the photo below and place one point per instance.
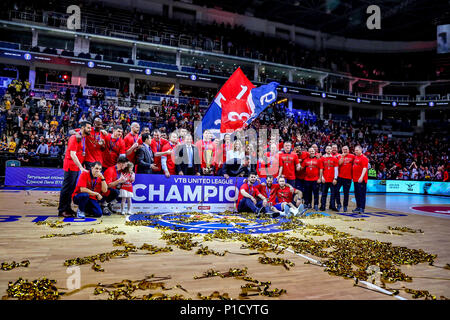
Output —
(238, 41)
(36, 131)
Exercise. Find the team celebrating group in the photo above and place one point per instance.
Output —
(99, 170)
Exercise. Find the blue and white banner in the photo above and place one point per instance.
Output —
(34, 177)
(259, 98)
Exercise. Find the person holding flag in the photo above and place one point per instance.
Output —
(237, 104)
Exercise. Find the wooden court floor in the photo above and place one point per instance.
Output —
(20, 239)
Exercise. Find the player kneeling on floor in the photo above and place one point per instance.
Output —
(90, 185)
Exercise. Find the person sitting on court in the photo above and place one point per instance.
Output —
(114, 181)
(247, 198)
(91, 184)
(284, 198)
(268, 190)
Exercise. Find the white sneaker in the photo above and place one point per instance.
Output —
(123, 212)
(129, 212)
(293, 211)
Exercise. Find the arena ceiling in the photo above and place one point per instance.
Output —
(407, 20)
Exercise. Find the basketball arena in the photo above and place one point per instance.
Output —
(190, 150)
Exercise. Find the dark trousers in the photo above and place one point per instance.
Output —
(88, 205)
(345, 184)
(360, 194)
(311, 188)
(189, 171)
(113, 195)
(68, 187)
(325, 187)
(291, 182)
(246, 205)
(300, 185)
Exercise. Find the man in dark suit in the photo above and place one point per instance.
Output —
(144, 156)
(187, 159)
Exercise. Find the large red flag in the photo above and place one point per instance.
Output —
(232, 97)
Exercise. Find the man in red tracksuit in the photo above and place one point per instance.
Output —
(344, 177)
(289, 163)
(360, 176)
(131, 142)
(312, 179)
(329, 174)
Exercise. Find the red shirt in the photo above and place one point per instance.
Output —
(302, 173)
(345, 169)
(156, 146)
(289, 161)
(252, 190)
(94, 150)
(312, 168)
(129, 140)
(127, 185)
(113, 148)
(284, 194)
(111, 174)
(87, 181)
(170, 158)
(359, 163)
(74, 145)
(328, 164)
(269, 193)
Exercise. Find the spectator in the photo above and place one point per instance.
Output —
(42, 149)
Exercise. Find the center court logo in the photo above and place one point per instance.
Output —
(209, 223)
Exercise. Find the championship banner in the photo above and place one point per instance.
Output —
(156, 193)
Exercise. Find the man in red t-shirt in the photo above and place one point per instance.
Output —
(360, 176)
(289, 163)
(114, 147)
(334, 151)
(344, 177)
(284, 196)
(248, 194)
(131, 142)
(95, 144)
(168, 159)
(329, 174)
(87, 194)
(157, 145)
(73, 159)
(312, 179)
